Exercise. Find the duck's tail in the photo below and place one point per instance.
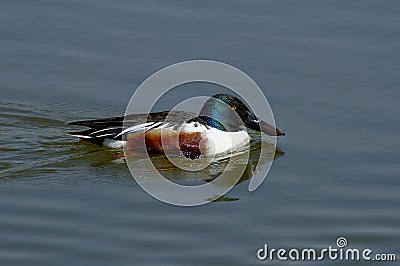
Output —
(99, 130)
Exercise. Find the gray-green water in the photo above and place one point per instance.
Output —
(330, 70)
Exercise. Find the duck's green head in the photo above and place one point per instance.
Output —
(229, 113)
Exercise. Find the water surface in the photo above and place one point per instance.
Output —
(329, 70)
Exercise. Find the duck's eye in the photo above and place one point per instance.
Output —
(234, 108)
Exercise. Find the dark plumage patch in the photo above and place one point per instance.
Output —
(224, 112)
(189, 145)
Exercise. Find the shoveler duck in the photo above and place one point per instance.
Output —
(219, 129)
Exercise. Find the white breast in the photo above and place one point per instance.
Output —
(222, 142)
(216, 141)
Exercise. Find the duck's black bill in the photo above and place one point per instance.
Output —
(257, 124)
(270, 130)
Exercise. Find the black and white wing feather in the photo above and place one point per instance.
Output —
(114, 129)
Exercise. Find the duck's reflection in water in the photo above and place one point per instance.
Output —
(231, 165)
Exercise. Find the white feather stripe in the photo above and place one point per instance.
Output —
(81, 136)
(104, 135)
(135, 128)
(105, 129)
